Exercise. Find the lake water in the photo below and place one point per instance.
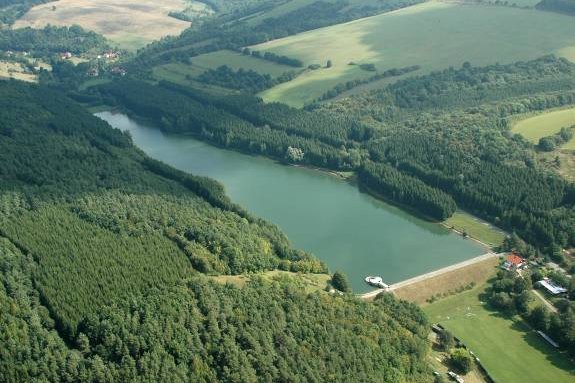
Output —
(324, 215)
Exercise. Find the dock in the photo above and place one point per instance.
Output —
(431, 274)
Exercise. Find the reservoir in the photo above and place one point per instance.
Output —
(321, 214)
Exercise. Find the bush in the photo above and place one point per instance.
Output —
(462, 360)
(339, 282)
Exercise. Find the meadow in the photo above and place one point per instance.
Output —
(130, 24)
(434, 35)
(546, 124)
(475, 228)
(510, 350)
(16, 71)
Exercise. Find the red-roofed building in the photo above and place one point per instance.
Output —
(514, 262)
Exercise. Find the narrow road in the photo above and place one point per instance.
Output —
(545, 301)
(431, 274)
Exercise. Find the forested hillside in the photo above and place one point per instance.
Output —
(51, 40)
(106, 258)
(11, 10)
(429, 142)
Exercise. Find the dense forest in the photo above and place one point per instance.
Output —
(248, 81)
(51, 40)
(107, 260)
(424, 142)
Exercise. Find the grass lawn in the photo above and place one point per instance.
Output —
(509, 350)
(546, 124)
(131, 24)
(476, 228)
(434, 35)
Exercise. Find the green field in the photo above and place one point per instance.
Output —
(509, 350)
(476, 228)
(434, 35)
(546, 124)
(179, 72)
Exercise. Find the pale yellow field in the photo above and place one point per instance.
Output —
(130, 24)
(15, 71)
(546, 124)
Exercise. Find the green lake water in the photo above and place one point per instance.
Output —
(326, 216)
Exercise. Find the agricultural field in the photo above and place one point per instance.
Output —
(130, 24)
(510, 350)
(546, 124)
(434, 35)
(475, 228)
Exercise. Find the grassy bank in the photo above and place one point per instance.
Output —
(509, 350)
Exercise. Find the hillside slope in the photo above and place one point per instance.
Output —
(104, 257)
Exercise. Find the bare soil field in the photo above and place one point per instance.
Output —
(128, 23)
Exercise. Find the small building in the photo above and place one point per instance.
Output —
(551, 286)
(66, 55)
(93, 72)
(118, 71)
(548, 339)
(514, 262)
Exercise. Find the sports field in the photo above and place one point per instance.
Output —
(130, 24)
(509, 350)
(434, 35)
(546, 124)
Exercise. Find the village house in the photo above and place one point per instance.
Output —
(93, 72)
(514, 262)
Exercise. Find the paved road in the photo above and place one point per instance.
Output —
(545, 301)
(431, 274)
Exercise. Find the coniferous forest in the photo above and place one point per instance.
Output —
(109, 262)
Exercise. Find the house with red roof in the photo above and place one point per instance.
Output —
(514, 262)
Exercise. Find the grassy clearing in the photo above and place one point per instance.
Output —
(546, 124)
(16, 71)
(311, 282)
(130, 24)
(448, 283)
(434, 35)
(181, 73)
(237, 60)
(507, 347)
(475, 228)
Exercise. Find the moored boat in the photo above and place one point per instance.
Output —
(376, 281)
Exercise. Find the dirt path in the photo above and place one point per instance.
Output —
(431, 274)
(545, 301)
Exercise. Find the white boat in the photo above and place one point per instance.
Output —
(376, 281)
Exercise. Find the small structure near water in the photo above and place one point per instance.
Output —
(376, 282)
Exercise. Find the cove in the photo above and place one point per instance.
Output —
(322, 214)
